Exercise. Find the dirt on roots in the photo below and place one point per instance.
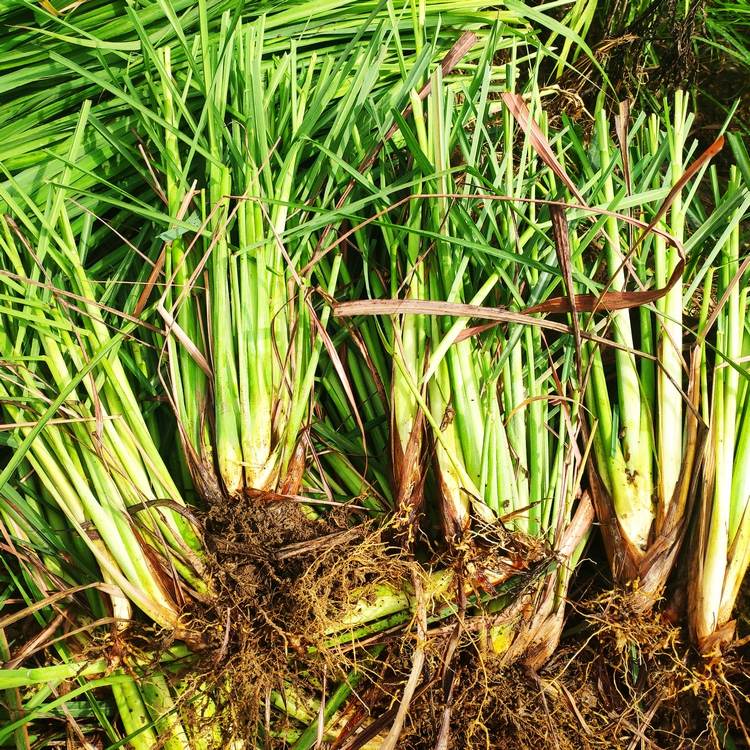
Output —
(284, 580)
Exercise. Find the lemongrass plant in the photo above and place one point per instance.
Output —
(511, 397)
(502, 422)
(646, 430)
(76, 417)
(106, 506)
(264, 340)
(720, 548)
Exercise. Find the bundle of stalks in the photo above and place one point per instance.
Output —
(647, 433)
(720, 548)
(499, 405)
(87, 502)
(77, 421)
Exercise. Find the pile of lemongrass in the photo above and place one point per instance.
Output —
(265, 165)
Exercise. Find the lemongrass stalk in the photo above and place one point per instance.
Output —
(410, 342)
(226, 389)
(629, 464)
(739, 552)
(258, 325)
(164, 712)
(29, 678)
(134, 715)
(670, 411)
(188, 377)
(465, 390)
(455, 493)
(454, 395)
(514, 395)
(506, 495)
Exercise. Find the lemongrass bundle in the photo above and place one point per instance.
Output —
(646, 430)
(720, 549)
(486, 399)
(263, 335)
(77, 420)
